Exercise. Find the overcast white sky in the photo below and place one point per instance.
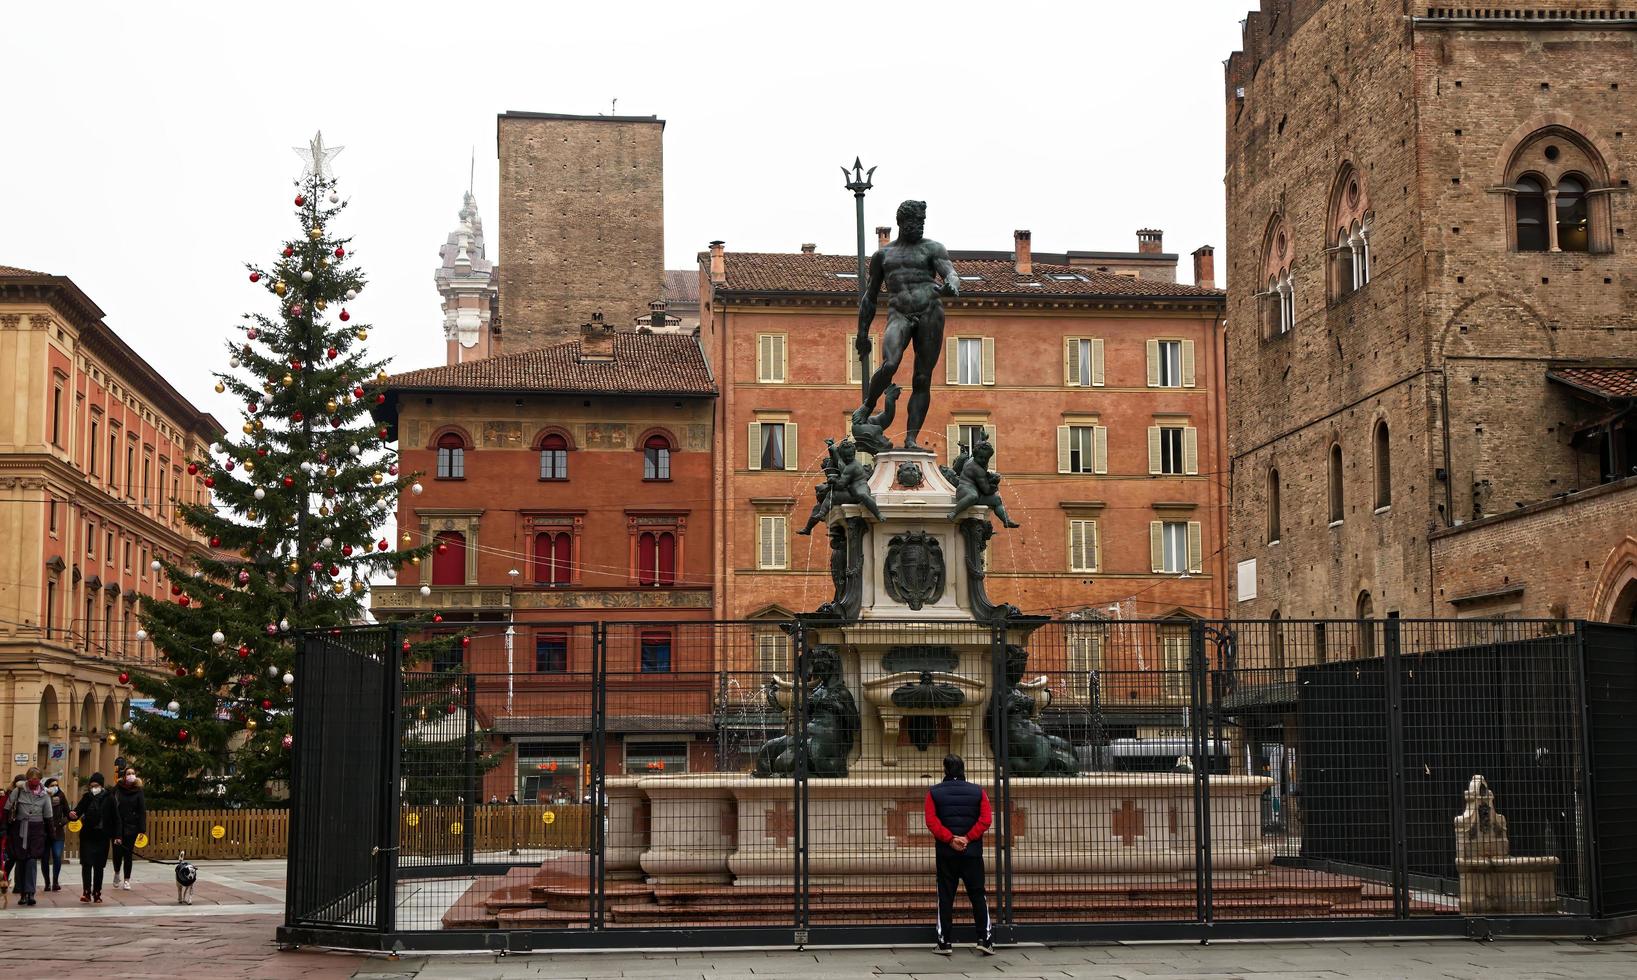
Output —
(148, 145)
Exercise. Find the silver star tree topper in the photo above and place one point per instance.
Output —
(316, 157)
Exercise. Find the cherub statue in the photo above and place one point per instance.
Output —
(822, 492)
(870, 434)
(952, 472)
(976, 485)
(852, 479)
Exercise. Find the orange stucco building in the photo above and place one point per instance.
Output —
(1102, 393)
(562, 486)
(94, 449)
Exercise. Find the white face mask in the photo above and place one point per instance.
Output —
(95, 790)
(130, 780)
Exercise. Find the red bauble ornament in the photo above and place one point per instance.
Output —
(215, 542)
(300, 200)
(380, 399)
(382, 544)
(176, 590)
(357, 391)
(261, 451)
(252, 407)
(406, 646)
(124, 678)
(334, 571)
(346, 551)
(289, 481)
(255, 277)
(288, 741)
(183, 601)
(450, 710)
(332, 353)
(244, 651)
(335, 422)
(228, 465)
(181, 672)
(288, 251)
(345, 316)
(193, 469)
(252, 333)
(443, 548)
(465, 641)
(209, 482)
(181, 734)
(296, 416)
(382, 432)
(340, 252)
(266, 704)
(437, 617)
(295, 310)
(393, 469)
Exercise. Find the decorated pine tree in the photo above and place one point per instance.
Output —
(292, 517)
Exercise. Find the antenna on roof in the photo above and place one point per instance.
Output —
(613, 108)
(471, 178)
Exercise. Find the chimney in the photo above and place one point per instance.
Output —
(883, 235)
(1150, 241)
(1205, 267)
(808, 248)
(719, 265)
(597, 339)
(1022, 253)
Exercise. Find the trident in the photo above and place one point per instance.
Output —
(858, 181)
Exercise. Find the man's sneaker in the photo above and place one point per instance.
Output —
(987, 947)
(944, 949)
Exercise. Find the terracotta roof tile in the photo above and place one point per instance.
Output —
(1606, 382)
(682, 286)
(643, 364)
(797, 272)
(12, 272)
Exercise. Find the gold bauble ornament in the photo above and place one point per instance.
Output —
(329, 471)
(220, 387)
(287, 381)
(362, 335)
(316, 233)
(324, 510)
(330, 406)
(376, 478)
(280, 288)
(113, 739)
(339, 588)
(319, 303)
(260, 425)
(199, 671)
(265, 386)
(324, 262)
(407, 538)
(381, 377)
(248, 428)
(250, 723)
(294, 567)
(415, 560)
(251, 515)
(357, 586)
(250, 464)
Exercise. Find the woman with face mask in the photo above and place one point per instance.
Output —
(99, 822)
(133, 820)
(29, 808)
(51, 866)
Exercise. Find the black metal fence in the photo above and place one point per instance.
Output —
(529, 786)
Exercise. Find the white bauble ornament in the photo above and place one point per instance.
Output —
(142, 636)
(218, 637)
(326, 543)
(392, 575)
(426, 590)
(272, 671)
(233, 362)
(173, 707)
(154, 564)
(126, 726)
(260, 493)
(306, 275)
(289, 678)
(352, 294)
(416, 489)
(357, 450)
(284, 626)
(334, 197)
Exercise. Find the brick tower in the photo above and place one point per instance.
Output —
(581, 220)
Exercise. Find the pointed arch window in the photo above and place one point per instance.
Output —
(1571, 215)
(1557, 198)
(1278, 302)
(1383, 466)
(1530, 204)
(1273, 506)
(1347, 242)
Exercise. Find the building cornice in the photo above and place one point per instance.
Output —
(744, 301)
(84, 492)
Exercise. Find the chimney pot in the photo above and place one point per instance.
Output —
(808, 248)
(1022, 252)
(597, 339)
(1205, 267)
(883, 235)
(719, 264)
(1150, 240)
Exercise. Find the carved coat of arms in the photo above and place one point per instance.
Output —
(915, 569)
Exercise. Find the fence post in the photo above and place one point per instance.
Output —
(469, 815)
(294, 879)
(1000, 746)
(798, 717)
(1585, 820)
(386, 887)
(1392, 670)
(1203, 754)
(599, 774)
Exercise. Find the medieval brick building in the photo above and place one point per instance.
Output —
(1431, 337)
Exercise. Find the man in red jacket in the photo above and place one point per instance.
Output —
(957, 814)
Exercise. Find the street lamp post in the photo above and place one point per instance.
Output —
(858, 180)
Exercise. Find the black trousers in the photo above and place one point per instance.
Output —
(954, 870)
(122, 856)
(93, 858)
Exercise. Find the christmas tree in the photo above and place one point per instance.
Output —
(294, 504)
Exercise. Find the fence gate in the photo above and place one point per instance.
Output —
(346, 733)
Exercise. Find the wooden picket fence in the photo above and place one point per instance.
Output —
(425, 831)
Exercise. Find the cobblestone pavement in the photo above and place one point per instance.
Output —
(228, 933)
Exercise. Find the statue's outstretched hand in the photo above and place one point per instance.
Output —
(862, 344)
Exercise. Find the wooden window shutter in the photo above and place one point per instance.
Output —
(854, 367)
(1153, 450)
(1187, 364)
(988, 360)
(1099, 462)
(754, 457)
(1156, 545)
(1064, 433)
(1196, 548)
(764, 542)
(1097, 363)
(994, 442)
(783, 361)
(1077, 546)
(763, 358)
(1153, 364)
(1190, 451)
(1071, 363)
(772, 544)
(792, 461)
(780, 557)
(952, 438)
(952, 364)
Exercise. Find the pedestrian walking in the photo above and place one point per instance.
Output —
(51, 867)
(8, 844)
(30, 810)
(957, 814)
(99, 822)
(133, 820)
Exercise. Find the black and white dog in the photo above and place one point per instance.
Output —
(186, 875)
